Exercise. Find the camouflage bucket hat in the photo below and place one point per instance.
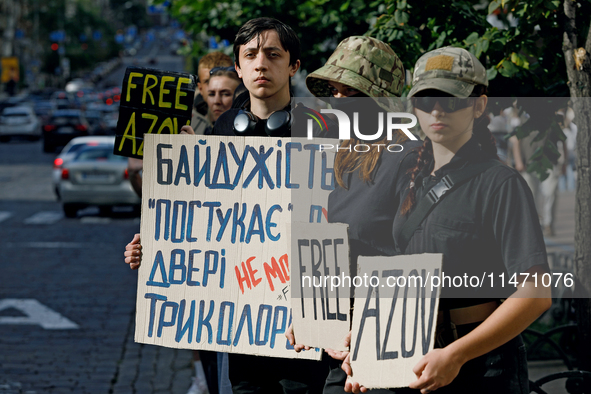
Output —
(451, 70)
(363, 63)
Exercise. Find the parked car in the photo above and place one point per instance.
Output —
(19, 121)
(95, 176)
(62, 127)
(71, 150)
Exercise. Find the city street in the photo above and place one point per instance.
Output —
(67, 299)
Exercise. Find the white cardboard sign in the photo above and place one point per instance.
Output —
(394, 323)
(215, 265)
(321, 297)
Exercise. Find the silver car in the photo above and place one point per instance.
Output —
(71, 150)
(95, 176)
(19, 121)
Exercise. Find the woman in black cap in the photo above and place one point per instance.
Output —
(485, 222)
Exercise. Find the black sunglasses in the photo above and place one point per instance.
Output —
(216, 69)
(448, 104)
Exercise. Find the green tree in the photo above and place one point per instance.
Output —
(320, 24)
(80, 48)
(535, 57)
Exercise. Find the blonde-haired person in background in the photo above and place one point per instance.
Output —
(201, 121)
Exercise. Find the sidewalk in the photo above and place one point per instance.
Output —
(564, 239)
(561, 249)
(152, 369)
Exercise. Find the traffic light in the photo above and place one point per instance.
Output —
(54, 46)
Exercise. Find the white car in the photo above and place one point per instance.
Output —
(19, 121)
(96, 176)
(70, 151)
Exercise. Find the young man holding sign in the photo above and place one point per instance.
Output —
(267, 55)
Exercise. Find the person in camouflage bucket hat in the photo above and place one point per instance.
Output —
(365, 64)
(364, 195)
(452, 70)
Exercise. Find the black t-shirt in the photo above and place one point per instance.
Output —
(487, 225)
(253, 374)
(369, 207)
(225, 123)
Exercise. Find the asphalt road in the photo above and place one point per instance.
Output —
(67, 300)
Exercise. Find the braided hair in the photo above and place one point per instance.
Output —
(425, 153)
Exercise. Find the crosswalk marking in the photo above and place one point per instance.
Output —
(4, 215)
(35, 313)
(44, 217)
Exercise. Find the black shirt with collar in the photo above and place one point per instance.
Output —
(487, 225)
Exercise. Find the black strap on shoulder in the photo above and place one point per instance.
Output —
(448, 183)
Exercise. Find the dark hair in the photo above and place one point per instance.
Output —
(254, 27)
(480, 132)
(229, 72)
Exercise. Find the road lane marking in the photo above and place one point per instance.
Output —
(37, 314)
(4, 215)
(45, 217)
(95, 220)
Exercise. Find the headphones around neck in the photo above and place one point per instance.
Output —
(277, 125)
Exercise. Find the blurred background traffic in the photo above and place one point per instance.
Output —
(62, 63)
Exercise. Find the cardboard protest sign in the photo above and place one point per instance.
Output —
(394, 318)
(320, 294)
(152, 102)
(216, 261)
(312, 165)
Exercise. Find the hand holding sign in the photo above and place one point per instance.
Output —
(186, 129)
(133, 251)
(436, 369)
(340, 355)
(291, 338)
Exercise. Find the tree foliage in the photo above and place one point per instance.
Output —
(523, 58)
(320, 24)
(80, 47)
